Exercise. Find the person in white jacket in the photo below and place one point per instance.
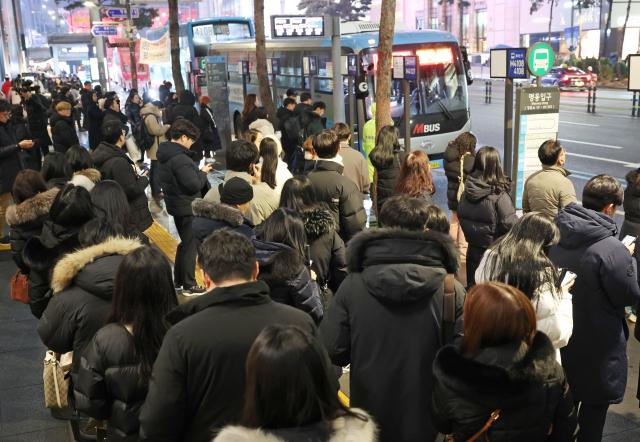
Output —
(520, 259)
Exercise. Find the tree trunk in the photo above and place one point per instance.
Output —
(624, 31)
(385, 58)
(132, 49)
(174, 36)
(551, 5)
(607, 30)
(261, 60)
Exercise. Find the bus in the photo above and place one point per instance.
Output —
(439, 98)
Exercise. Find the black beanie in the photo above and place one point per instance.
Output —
(236, 191)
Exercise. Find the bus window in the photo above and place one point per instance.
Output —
(207, 33)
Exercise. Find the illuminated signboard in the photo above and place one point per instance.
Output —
(292, 26)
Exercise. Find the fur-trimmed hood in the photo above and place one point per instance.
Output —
(498, 375)
(87, 178)
(217, 211)
(91, 173)
(345, 429)
(318, 221)
(74, 263)
(31, 209)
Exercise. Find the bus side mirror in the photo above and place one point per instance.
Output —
(467, 65)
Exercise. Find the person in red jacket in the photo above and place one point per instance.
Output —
(6, 87)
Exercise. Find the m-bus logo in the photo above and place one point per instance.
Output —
(422, 128)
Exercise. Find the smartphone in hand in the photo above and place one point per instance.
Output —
(628, 240)
(567, 277)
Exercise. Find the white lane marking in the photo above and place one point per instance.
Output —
(608, 146)
(580, 124)
(608, 160)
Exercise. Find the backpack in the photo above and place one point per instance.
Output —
(144, 140)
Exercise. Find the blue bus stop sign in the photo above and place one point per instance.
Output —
(516, 63)
(410, 67)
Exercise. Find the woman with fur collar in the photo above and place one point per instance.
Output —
(82, 285)
(25, 218)
(288, 362)
(504, 377)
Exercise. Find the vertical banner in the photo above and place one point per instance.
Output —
(156, 51)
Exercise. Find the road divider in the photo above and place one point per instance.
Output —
(580, 124)
(588, 143)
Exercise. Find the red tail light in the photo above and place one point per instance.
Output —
(565, 78)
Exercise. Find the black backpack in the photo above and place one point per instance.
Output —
(144, 140)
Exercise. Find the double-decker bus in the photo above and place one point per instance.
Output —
(439, 99)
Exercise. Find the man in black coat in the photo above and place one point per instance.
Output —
(315, 120)
(339, 192)
(386, 318)
(37, 108)
(182, 182)
(95, 115)
(10, 163)
(111, 159)
(185, 109)
(198, 379)
(62, 128)
(288, 128)
(85, 100)
(595, 359)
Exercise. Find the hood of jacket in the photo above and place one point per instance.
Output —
(476, 188)
(263, 126)
(498, 376)
(343, 429)
(580, 227)
(187, 98)
(92, 174)
(402, 266)
(254, 292)
(169, 149)
(55, 117)
(318, 221)
(31, 209)
(105, 151)
(73, 264)
(266, 251)
(150, 109)
(217, 211)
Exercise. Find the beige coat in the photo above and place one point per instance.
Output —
(154, 126)
(548, 191)
(355, 167)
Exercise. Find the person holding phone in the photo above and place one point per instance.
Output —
(520, 259)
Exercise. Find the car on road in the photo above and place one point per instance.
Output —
(568, 79)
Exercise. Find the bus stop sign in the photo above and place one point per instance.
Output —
(540, 58)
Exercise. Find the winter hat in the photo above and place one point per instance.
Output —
(236, 191)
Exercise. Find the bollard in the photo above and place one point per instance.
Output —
(589, 100)
(593, 104)
(490, 90)
(635, 112)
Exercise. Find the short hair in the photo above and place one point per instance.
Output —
(72, 206)
(437, 220)
(496, 314)
(28, 183)
(549, 152)
(305, 96)
(241, 155)
(79, 158)
(225, 255)
(5, 106)
(63, 105)
(261, 113)
(326, 144)
(405, 212)
(600, 191)
(112, 131)
(319, 105)
(184, 127)
(55, 165)
(291, 92)
(288, 101)
(342, 130)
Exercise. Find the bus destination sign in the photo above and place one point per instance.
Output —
(292, 26)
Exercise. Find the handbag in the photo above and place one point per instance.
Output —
(56, 384)
(461, 182)
(495, 414)
(20, 287)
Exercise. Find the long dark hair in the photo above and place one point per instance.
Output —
(387, 146)
(55, 165)
(465, 143)
(269, 154)
(249, 104)
(520, 257)
(415, 175)
(287, 381)
(298, 194)
(111, 203)
(488, 163)
(79, 158)
(142, 296)
(285, 226)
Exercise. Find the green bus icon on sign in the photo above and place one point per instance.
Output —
(540, 58)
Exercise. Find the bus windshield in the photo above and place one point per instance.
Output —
(207, 33)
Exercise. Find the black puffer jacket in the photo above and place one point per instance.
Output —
(386, 178)
(95, 117)
(525, 383)
(341, 195)
(25, 221)
(452, 158)
(486, 213)
(327, 249)
(180, 178)
(111, 115)
(114, 164)
(37, 108)
(63, 133)
(10, 163)
(210, 216)
(385, 320)
(631, 224)
(82, 286)
(288, 278)
(109, 386)
(184, 109)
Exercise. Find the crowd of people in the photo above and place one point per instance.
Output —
(296, 287)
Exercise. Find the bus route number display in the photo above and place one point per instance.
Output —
(292, 26)
(516, 63)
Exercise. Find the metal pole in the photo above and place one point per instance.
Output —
(336, 58)
(98, 42)
(508, 123)
(595, 92)
(352, 107)
(132, 48)
(406, 92)
(589, 99)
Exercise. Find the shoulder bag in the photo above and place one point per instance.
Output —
(20, 287)
(495, 415)
(56, 384)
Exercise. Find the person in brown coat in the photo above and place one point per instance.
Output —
(355, 166)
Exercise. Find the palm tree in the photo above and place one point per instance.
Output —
(174, 36)
(385, 55)
(261, 59)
